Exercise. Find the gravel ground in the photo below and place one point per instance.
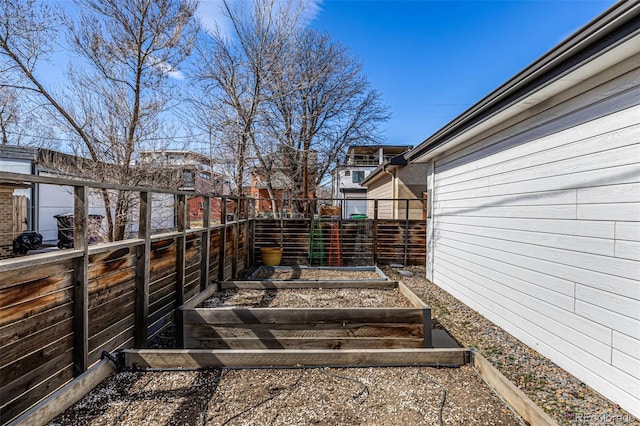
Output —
(313, 396)
(355, 396)
(561, 395)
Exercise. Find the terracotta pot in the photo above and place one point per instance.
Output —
(271, 256)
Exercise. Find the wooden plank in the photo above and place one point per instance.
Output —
(80, 281)
(35, 342)
(98, 260)
(124, 325)
(27, 363)
(35, 306)
(21, 329)
(305, 330)
(194, 358)
(31, 273)
(301, 315)
(18, 267)
(59, 401)
(302, 343)
(513, 396)
(124, 339)
(46, 387)
(306, 284)
(25, 383)
(111, 312)
(413, 298)
(106, 333)
(34, 290)
(124, 284)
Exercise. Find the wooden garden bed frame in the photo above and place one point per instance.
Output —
(305, 328)
(169, 359)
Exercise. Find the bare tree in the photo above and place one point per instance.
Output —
(127, 49)
(234, 70)
(8, 111)
(320, 105)
(287, 97)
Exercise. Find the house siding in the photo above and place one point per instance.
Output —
(381, 190)
(536, 226)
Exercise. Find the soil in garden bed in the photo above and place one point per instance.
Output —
(308, 298)
(313, 396)
(267, 273)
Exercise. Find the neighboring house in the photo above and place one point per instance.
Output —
(399, 189)
(359, 162)
(42, 202)
(191, 171)
(280, 179)
(535, 200)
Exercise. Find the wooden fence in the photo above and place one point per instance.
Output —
(61, 309)
(347, 242)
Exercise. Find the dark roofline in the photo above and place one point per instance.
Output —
(397, 161)
(615, 25)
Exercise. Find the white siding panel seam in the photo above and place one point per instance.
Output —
(610, 211)
(625, 343)
(629, 173)
(619, 267)
(612, 302)
(556, 152)
(607, 318)
(629, 231)
(530, 291)
(628, 250)
(513, 270)
(528, 319)
(554, 311)
(559, 274)
(567, 354)
(600, 246)
(584, 228)
(562, 124)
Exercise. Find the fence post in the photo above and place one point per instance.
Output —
(80, 281)
(142, 271)
(223, 237)
(205, 244)
(427, 339)
(236, 232)
(406, 232)
(180, 266)
(252, 233)
(375, 232)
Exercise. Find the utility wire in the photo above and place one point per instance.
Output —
(288, 388)
(126, 407)
(444, 395)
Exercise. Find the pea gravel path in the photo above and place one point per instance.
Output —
(561, 395)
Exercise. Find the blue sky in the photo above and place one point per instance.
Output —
(432, 60)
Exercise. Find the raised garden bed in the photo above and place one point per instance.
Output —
(307, 313)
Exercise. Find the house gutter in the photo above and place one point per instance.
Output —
(393, 164)
(617, 25)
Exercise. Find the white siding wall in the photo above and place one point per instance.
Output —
(536, 226)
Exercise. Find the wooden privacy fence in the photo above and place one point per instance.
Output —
(334, 241)
(61, 309)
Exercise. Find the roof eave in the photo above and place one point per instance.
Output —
(613, 27)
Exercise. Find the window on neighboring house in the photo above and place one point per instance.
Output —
(358, 176)
(189, 178)
(347, 173)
